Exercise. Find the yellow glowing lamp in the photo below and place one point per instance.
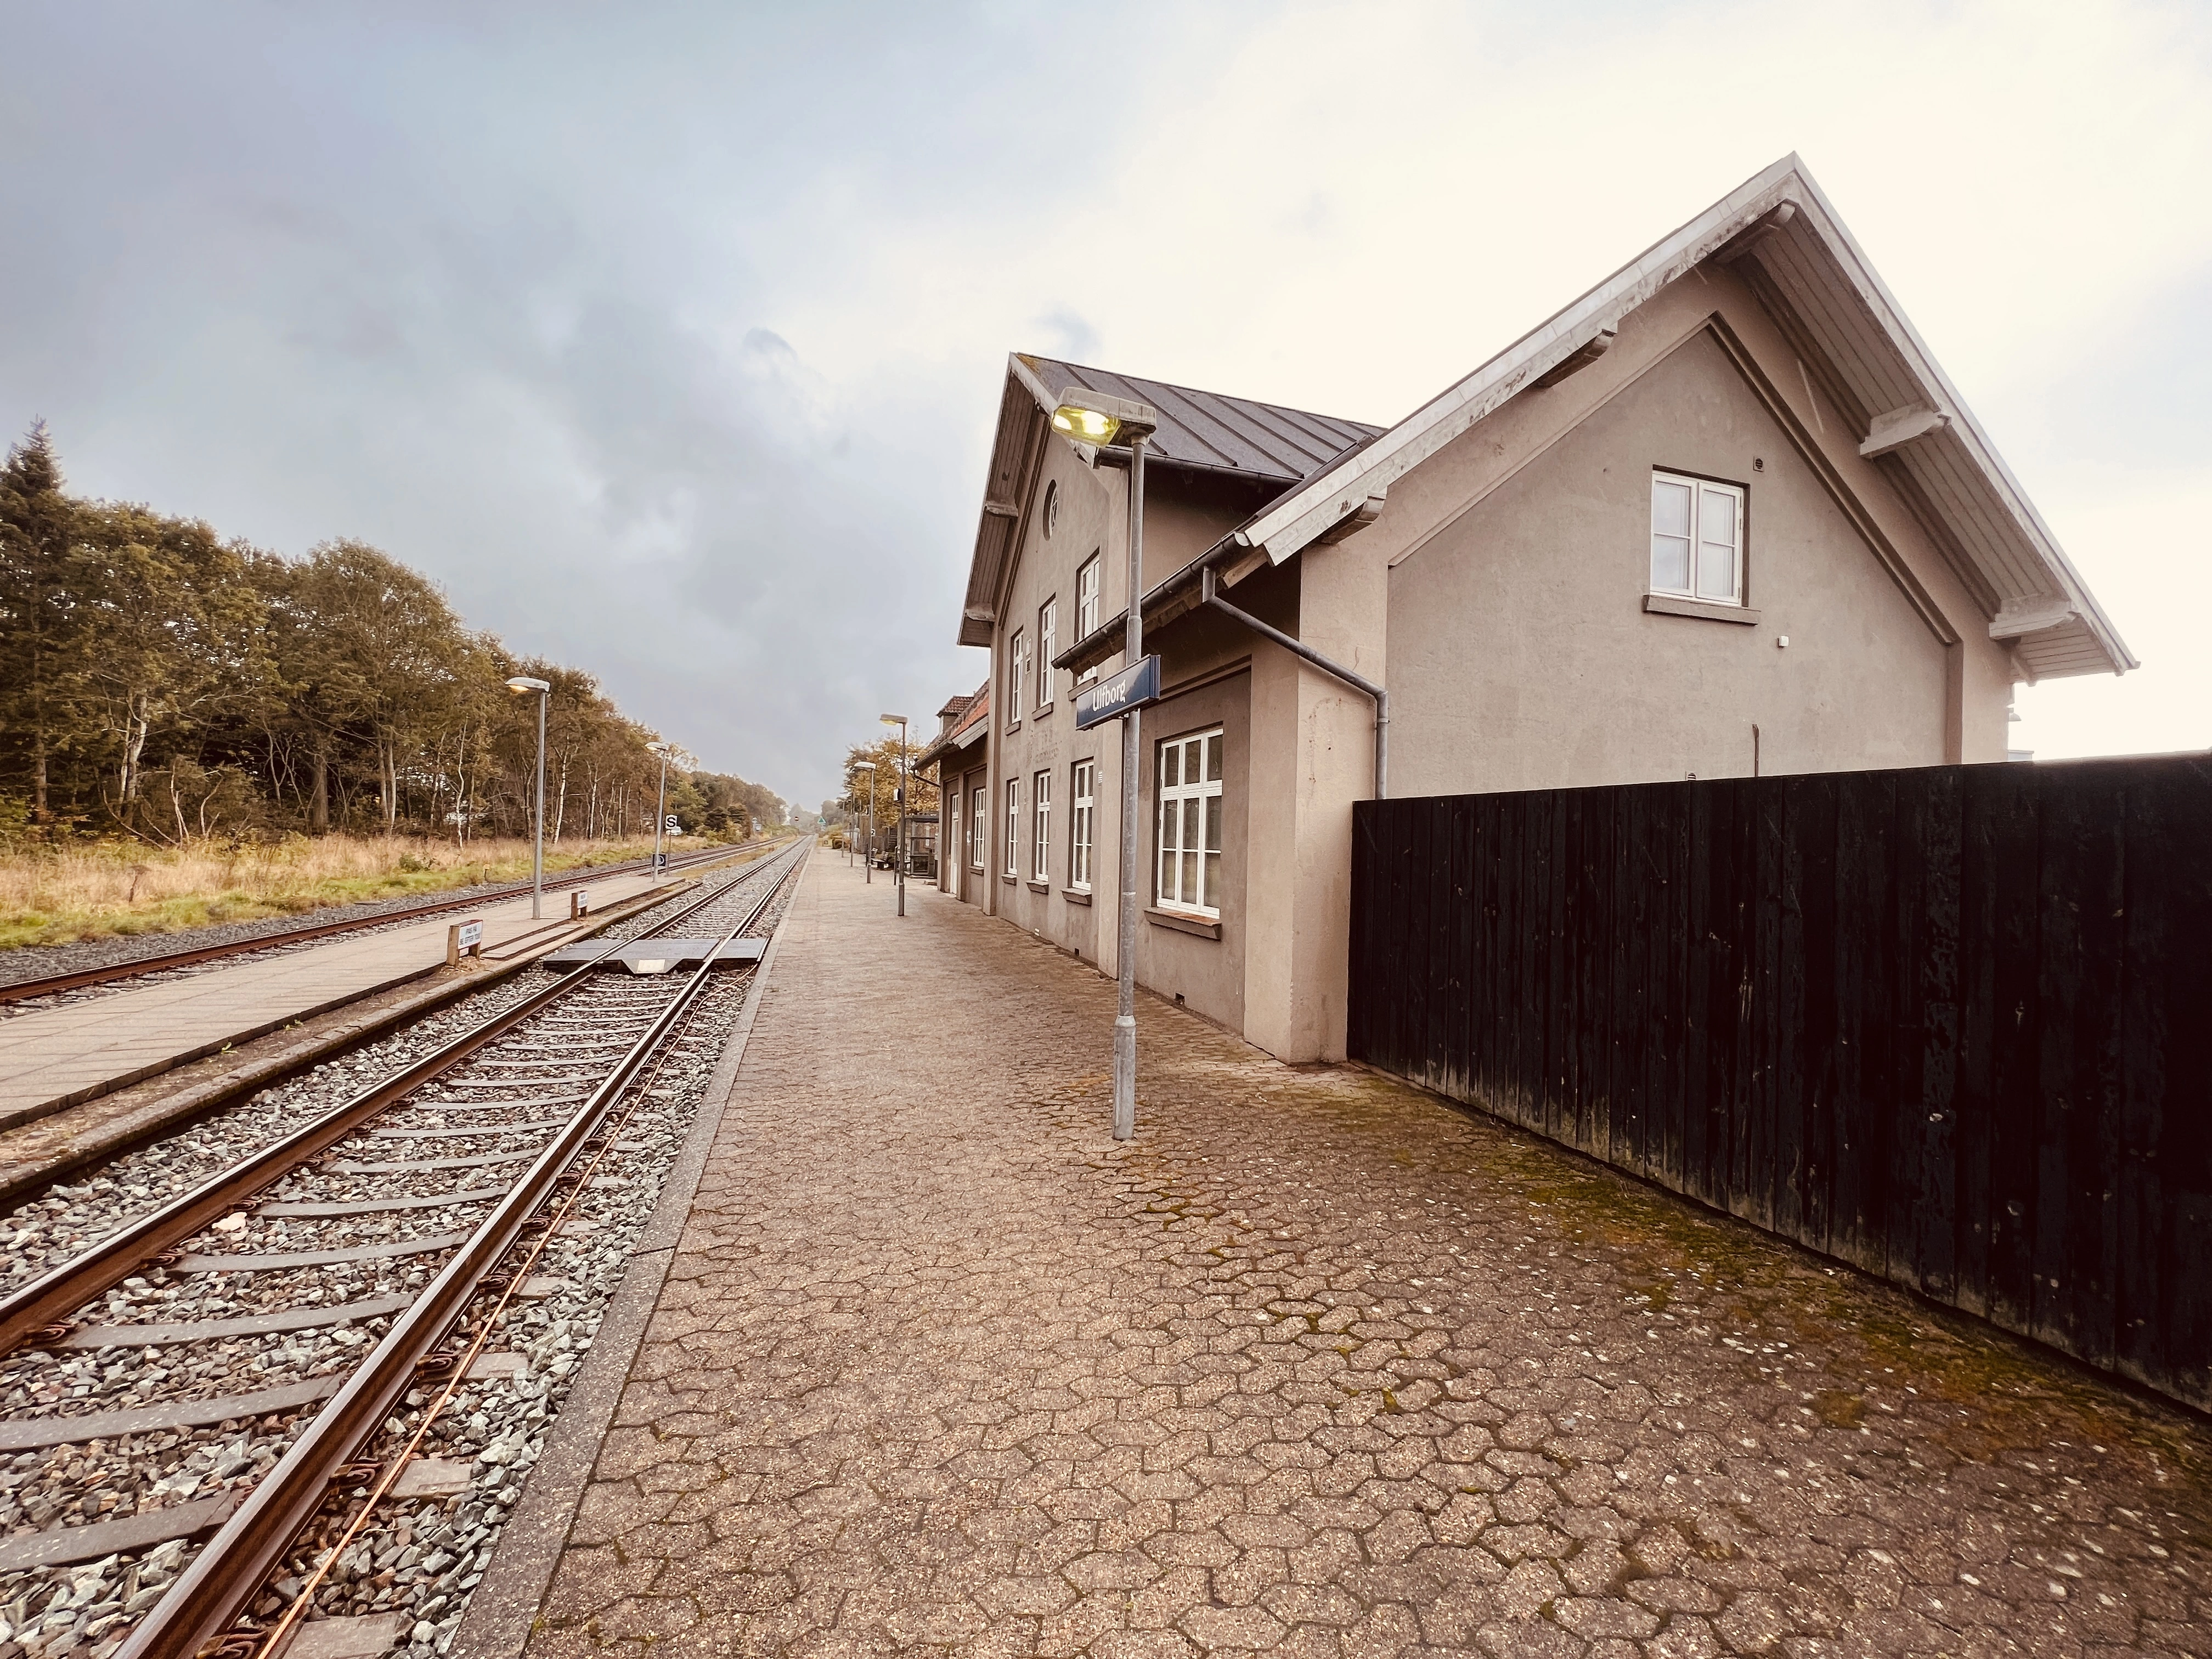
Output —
(1089, 425)
(1097, 419)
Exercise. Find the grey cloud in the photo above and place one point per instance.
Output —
(500, 290)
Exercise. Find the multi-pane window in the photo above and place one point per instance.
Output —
(1047, 645)
(1017, 675)
(1079, 804)
(1013, 826)
(1190, 824)
(1040, 837)
(1087, 602)
(1697, 538)
(1086, 599)
(979, 835)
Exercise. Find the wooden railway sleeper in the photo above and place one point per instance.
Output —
(227, 1575)
(31, 1307)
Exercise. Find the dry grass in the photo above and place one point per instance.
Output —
(49, 895)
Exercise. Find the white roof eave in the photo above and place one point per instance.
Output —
(1306, 513)
(1295, 519)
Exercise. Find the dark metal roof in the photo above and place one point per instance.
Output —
(1218, 434)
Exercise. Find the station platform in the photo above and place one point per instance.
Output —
(107, 1039)
(1317, 1364)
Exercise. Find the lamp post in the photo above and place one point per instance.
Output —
(660, 802)
(868, 852)
(898, 875)
(1098, 420)
(518, 684)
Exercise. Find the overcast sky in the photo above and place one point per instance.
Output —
(669, 338)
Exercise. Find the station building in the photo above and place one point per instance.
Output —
(1723, 514)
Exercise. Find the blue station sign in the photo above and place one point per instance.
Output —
(1133, 688)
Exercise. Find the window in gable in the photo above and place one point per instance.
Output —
(1697, 538)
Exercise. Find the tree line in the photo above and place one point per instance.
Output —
(877, 789)
(159, 681)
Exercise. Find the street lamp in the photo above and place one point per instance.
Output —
(1094, 418)
(868, 851)
(899, 800)
(518, 684)
(660, 803)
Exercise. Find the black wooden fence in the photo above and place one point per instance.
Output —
(1952, 1025)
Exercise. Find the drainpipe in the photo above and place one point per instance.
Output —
(1299, 648)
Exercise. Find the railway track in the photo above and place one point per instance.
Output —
(204, 1363)
(28, 990)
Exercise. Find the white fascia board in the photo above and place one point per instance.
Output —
(1882, 305)
(1300, 517)
(1905, 340)
(1047, 401)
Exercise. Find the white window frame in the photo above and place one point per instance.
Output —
(1082, 792)
(1087, 602)
(979, 830)
(1702, 493)
(1040, 827)
(1018, 670)
(1013, 827)
(1048, 646)
(1200, 860)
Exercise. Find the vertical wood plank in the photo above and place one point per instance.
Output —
(2077, 1233)
(1673, 961)
(1360, 977)
(1787, 1093)
(1700, 949)
(1815, 835)
(2165, 1302)
(1436, 894)
(1515, 1008)
(1593, 1128)
(1863, 820)
(1756, 1203)
(2014, 1063)
(1742, 990)
(1953, 1025)
(1624, 937)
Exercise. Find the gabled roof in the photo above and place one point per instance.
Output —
(1206, 430)
(1827, 298)
(1263, 445)
(965, 730)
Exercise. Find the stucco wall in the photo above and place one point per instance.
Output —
(1185, 513)
(1204, 974)
(1519, 656)
(964, 880)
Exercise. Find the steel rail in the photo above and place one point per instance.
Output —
(225, 1577)
(26, 1311)
(23, 990)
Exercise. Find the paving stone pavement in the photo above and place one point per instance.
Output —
(1319, 1364)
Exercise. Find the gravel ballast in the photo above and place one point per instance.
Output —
(31, 962)
(420, 1556)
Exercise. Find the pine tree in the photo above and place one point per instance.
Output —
(38, 619)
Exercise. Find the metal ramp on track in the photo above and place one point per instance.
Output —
(658, 956)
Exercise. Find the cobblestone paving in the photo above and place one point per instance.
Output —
(1318, 1365)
